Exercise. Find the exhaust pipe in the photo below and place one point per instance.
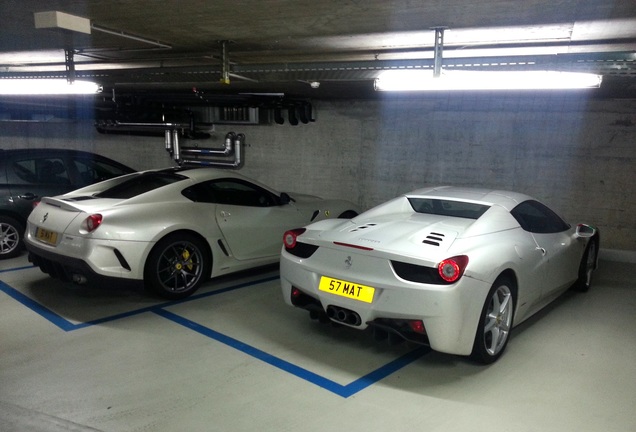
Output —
(79, 279)
(343, 315)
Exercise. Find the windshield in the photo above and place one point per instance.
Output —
(140, 184)
(451, 208)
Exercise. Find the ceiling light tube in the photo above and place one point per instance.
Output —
(20, 86)
(423, 80)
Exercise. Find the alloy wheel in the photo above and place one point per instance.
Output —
(498, 320)
(180, 267)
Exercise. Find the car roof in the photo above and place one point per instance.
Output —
(506, 199)
(60, 152)
(197, 174)
(47, 150)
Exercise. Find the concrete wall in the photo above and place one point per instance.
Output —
(574, 153)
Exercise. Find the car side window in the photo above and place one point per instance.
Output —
(230, 191)
(93, 171)
(40, 171)
(537, 218)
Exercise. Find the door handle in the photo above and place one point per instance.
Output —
(28, 196)
(224, 213)
(542, 250)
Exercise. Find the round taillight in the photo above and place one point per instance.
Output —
(451, 269)
(93, 221)
(289, 238)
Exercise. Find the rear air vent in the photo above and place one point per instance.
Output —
(361, 227)
(121, 259)
(434, 239)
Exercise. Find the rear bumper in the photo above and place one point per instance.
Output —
(74, 270)
(450, 313)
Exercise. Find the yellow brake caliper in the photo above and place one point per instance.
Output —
(186, 259)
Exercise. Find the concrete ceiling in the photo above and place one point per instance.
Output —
(281, 46)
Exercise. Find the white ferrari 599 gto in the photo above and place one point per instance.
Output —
(171, 228)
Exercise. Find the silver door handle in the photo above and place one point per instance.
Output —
(542, 250)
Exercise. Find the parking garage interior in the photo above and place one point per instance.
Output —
(296, 78)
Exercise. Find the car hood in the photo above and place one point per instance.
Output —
(402, 234)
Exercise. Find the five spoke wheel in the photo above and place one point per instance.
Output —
(495, 322)
(177, 266)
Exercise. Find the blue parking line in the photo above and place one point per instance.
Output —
(30, 266)
(341, 390)
(67, 326)
(344, 391)
(37, 307)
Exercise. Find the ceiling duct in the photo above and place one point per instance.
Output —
(233, 146)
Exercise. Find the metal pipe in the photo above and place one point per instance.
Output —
(130, 36)
(152, 125)
(238, 141)
(226, 150)
(168, 141)
(176, 152)
(225, 74)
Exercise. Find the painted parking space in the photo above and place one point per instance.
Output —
(245, 312)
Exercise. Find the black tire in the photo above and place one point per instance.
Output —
(349, 214)
(11, 237)
(495, 322)
(177, 265)
(587, 266)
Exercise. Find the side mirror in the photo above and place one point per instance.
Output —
(585, 231)
(285, 198)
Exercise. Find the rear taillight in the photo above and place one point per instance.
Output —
(451, 269)
(417, 326)
(289, 238)
(93, 222)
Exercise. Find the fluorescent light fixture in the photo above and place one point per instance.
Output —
(19, 86)
(423, 80)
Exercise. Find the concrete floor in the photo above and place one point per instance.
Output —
(235, 358)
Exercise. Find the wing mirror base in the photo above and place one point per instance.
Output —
(285, 198)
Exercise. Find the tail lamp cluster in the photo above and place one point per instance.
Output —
(451, 269)
(289, 238)
(92, 222)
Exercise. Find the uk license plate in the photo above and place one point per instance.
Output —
(347, 289)
(46, 236)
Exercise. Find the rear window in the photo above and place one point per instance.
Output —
(451, 208)
(140, 184)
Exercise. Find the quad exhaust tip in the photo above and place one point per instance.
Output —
(343, 315)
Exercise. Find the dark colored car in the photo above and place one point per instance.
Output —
(26, 175)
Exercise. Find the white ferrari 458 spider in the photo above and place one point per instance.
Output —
(171, 228)
(449, 267)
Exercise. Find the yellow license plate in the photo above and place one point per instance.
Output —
(347, 289)
(46, 236)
